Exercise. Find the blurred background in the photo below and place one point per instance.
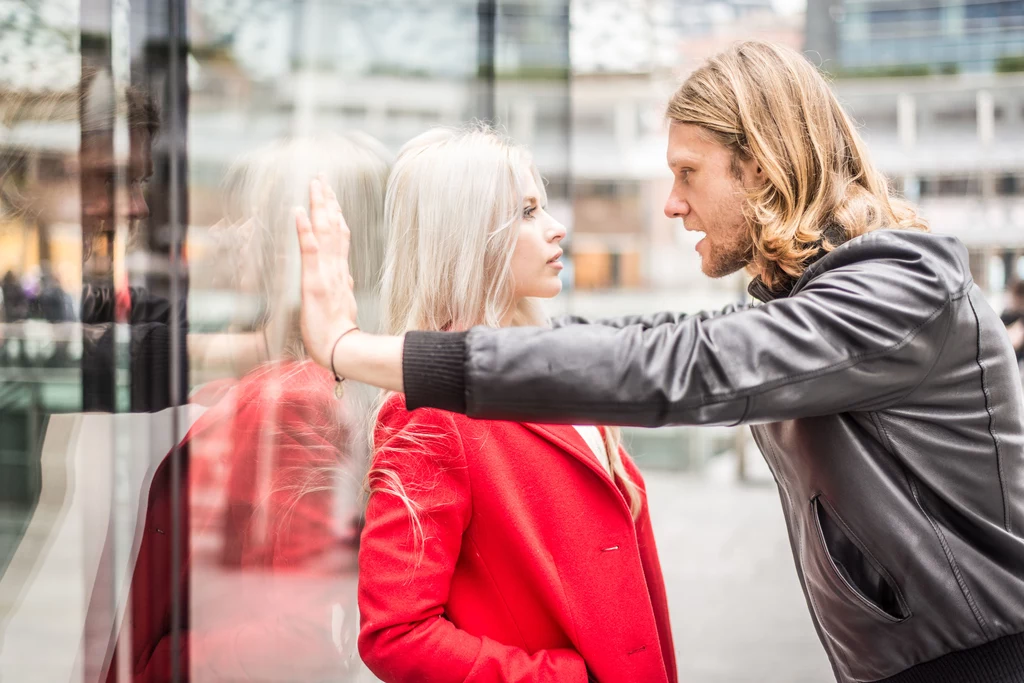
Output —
(129, 307)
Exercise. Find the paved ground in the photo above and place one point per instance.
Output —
(737, 611)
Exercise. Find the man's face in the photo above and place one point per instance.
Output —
(708, 195)
(100, 172)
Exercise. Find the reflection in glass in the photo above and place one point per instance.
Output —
(273, 466)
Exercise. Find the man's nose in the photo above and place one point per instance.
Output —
(137, 208)
(676, 207)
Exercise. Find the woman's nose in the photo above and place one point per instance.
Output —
(558, 232)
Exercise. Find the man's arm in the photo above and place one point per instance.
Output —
(850, 340)
(839, 345)
(645, 321)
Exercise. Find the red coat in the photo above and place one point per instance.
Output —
(532, 569)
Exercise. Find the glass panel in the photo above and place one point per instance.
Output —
(180, 493)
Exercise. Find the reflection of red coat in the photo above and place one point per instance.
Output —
(281, 433)
(532, 570)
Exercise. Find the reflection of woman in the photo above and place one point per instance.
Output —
(270, 454)
(496, 551)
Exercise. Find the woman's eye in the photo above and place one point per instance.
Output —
(528, 212)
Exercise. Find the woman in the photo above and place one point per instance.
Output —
(269, 465)
(496, 551)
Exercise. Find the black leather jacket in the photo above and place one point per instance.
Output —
(884, 394)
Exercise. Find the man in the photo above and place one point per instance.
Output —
(881, 387)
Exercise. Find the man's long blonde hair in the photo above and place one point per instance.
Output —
(768, 103)
(452, 209)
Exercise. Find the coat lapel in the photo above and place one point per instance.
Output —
(569, 440)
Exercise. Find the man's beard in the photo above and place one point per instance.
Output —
(724, 261)
(95, 235)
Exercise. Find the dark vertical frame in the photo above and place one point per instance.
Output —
(98, 364)
(177, 91)
(99, 389)
(160, 375)
(160, 367)
(487, 18)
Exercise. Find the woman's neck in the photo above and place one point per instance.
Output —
(510, 316)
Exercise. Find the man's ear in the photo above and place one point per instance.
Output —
(751, 172)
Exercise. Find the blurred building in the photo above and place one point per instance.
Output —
(938, 88)
(916, 37)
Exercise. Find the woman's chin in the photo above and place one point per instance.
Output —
(549, 288)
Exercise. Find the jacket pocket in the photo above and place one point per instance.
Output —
(862, 576)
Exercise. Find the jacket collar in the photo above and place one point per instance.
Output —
(835, 235)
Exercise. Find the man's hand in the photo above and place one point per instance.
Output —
(328, 303)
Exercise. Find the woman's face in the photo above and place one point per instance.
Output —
(536, 258)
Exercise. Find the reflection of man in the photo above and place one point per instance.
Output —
(1013, 318)
(52, 304)
(15, 303)
(879, 384)
(111, 187)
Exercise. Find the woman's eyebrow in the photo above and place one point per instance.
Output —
(530, 200)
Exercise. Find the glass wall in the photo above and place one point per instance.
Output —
(180, 494)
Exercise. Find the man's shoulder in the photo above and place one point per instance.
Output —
(915, 263)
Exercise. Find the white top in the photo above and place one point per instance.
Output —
(592, 435)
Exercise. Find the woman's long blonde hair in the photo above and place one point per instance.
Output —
(768, 103)
(453, 205)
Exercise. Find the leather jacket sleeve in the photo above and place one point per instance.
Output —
(644, 321)
(856, 338)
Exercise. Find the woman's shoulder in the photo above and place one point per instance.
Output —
(395, 413)
(414, 438)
